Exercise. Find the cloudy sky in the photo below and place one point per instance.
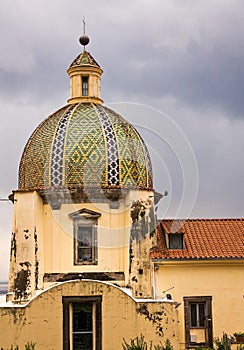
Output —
(174, 68)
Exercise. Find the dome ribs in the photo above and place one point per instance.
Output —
(113, 172)
(58, 149)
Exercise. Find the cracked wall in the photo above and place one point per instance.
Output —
(122, 317)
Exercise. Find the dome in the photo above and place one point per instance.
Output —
(85, 145)
(84, 59)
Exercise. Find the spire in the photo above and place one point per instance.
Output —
(85, 75)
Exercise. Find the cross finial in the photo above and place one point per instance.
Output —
(84, 25)
(84, 40)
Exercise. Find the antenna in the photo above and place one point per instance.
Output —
(168, 296)
(166, 290)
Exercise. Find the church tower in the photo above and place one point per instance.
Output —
(84, 207)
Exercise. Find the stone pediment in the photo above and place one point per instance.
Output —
(85, 214)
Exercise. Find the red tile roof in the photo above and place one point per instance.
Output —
(203, 239)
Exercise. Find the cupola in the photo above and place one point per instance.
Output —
(85, 77)
(85, 144)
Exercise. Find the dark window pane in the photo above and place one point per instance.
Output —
(82, 342)
(82, 317)
(201, 308)
(197, 314)
(175, 241)
(193, 315)
(82, 326)
(85, 86)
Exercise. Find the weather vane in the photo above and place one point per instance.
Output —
(84, 40)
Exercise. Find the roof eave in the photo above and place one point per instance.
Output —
(222, 260)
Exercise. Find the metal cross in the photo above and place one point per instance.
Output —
(84, 25)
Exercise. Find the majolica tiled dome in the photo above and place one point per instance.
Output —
(85, 145)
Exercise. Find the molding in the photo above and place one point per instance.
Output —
(84, 213)
(98, 276)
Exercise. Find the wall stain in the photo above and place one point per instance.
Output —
(156, 317)
(36, 260)
(22, 281)
(13, 248)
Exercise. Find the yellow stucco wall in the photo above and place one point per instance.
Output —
(222, 280)
(27, 221)
(112, 240)
(50, 241)
(41, 321)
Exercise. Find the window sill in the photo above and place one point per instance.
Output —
(86, 263)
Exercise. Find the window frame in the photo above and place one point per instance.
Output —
(85, 218)
(208, 324)
(79, 225)
(96, 302)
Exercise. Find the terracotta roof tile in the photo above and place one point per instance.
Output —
(203, 239)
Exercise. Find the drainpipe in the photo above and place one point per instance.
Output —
(155, 268)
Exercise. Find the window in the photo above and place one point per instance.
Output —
(82, 323)
(176, 241)
(84, 86)
(198, 321)
(85, 236)
(197, 315)
(82, 326)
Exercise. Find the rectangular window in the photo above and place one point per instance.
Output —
(198, 321)
(84, 86)
(85, 223)
(85, 244)
(82, 323)
(197, 311)
(176, 241)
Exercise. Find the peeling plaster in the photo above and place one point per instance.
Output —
(22, 281)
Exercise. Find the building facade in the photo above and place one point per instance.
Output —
(83, 227)
(90, 264)
(201, 263)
